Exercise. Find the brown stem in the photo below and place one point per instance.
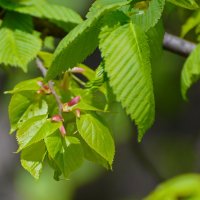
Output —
(51, 85)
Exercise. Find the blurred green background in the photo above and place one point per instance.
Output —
(170, 148)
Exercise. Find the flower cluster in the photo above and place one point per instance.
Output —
(67, 107)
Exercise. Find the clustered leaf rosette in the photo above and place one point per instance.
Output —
(36, 117)
(67, 107)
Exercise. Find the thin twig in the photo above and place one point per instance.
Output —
(51, 85)
(57, 97)
(78, 80)
(41, 67)
(177, 45)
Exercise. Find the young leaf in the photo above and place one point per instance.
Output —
(97, 135)
(184, 187)
(127, 62)
(66, 152)
(191, 71)
(189, 4)
(101, 4)
(34, 130)
(84, 106)
(149, 18)
(18, 46)
(192, 22)
(53, 144)
(155, 37)
(28, 85)
(21, 108)
(98, 79)
(35, 109)
(79, 43)
(32, 158)
(93, 156)
(88, 72)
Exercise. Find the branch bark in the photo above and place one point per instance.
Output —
(177, 45)
(51, 85)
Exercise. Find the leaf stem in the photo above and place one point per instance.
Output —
(78, 80)
(50, 84)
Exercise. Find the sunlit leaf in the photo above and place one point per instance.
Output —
(127, 63)
(34, 130)
(66, 152)
(191, 71)
(32, 158)
(97, 135)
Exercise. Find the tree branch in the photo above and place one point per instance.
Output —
(41, 67)
(51, 85)
(177, 45)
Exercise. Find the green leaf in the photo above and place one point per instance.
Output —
(66, 152)
(53, 144)
(127, 63)
(181, 187)
(12, 18)
(88, 72)
(101, 4)
(74, 48)
(18, 105)
(90, 99)
(22, 108)
(84, 106)
(32, 158)
(27, 85)
(34, 130)
(149, 18)
(18, 45)
(189, 4)
(155, 37)
(43, 9)
(191, 71)
(93, 156)
(35, 109)
(192, 22)
(46, 58)
(97, 135)
(98, 79)
(79, 43)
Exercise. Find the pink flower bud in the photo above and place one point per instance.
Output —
(44, 88)
(77, 70)
(62, 130)
(78, 113)
(57, 118)
(67, 107)
(74, 101)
